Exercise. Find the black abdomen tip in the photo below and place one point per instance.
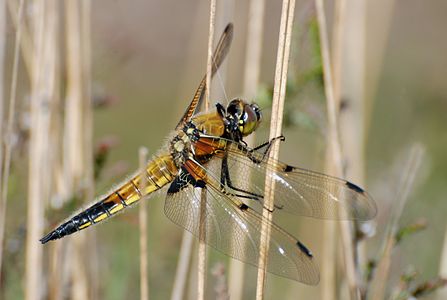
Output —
(49, 237)
(65, 229)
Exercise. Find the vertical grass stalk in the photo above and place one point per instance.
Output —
(87, 114)
(332, 109)
(409, 174)
(279, 91)
(201, 267)
(144, 288)
(328, 285)
(442, 293)
(181, 273)
(44, 62)
(7, 138)
(25, 40)
(251, 81)
(78, 172)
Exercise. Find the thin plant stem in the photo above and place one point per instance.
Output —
(405, 187)
(442, 293)
(201, 267)
(2, 106)
(328, 284)
(332, 109)
(279, 91)
(25, 40)
(251, 81)
(7, 140)
(209, 62)
(377, 49)
(352, 64)
(87, 114)
(254, 47)
(77, 143)
(42, 93)
(144, 282)
(201, 263)
(181, 274)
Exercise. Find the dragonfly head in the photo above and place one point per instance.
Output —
(242, 118)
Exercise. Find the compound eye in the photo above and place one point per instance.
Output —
(250, 120)
(257, 111)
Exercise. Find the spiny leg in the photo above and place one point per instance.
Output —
(225, 180)
(266, 145)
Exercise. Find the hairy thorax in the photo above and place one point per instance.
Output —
(181, 145)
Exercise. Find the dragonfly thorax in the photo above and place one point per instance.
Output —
(180, 146)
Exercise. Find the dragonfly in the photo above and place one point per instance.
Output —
(207, 155)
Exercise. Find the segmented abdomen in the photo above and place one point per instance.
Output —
(159, 172)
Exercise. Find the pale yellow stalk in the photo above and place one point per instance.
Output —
(251, 81)
(279, 91)
(201, 267)
(7, 139)
(409, 174)
(43, 89)
(144, 281)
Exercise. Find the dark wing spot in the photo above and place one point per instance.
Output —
(288, 168)
(354, 187)
(304, 249)
(243, 207)
(177, 185)
(200, 184)
(182, 180)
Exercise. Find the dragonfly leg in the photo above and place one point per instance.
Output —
(225, 181)
(268, 145)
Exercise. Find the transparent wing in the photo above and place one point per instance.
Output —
(222, 48)
(234, 229)
(298, 191)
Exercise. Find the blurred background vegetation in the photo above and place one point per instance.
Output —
(147, 58)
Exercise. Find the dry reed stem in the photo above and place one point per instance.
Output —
(251, 81)
(201, 267)
(144, 282)
(346, 234)
(352, 117)
(252, 67)
(405, 186)
(42, 93)
(201, 259)
(181, 273)
(8, 137)
(279, 91)
(442, 293)
(57, 272)
(337, 46)
(87, 113)
(26, 44)
(328, 285)
(2, 101)
(77, 146)
(377, 49)
(209, 61)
